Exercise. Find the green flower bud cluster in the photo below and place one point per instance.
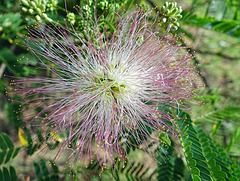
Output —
(144, 7)
(51, 5)
(105, 4)
(71, 18)
(104, 8)
(87, 10)
(35, 9)
(115, 5)
(171, 14)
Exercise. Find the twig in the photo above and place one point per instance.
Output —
(217, 54)
(196, 62)
(154, 6)
(2, 68)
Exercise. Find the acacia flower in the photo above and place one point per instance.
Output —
(106, 90)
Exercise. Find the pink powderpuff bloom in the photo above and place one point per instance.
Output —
(106, 89)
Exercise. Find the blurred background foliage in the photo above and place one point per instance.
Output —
(209, 149)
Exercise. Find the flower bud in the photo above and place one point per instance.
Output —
(31, 11)
(42, 7)
(38, 10)
(179, 9)
(24, 9)
(173, 12)
(32, 3)
(38, 18)
(164, 20)
(170, 6)
(48, 19)
(174, 27)
(174, 19)
(27, 18)
(179, 16)
(25, 2)
(44, 15)
(175, 23)
(166, 4)
(71, 17)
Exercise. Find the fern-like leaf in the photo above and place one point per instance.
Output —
(8, 174)
(204, 159)
(7, 149)
(43, 173)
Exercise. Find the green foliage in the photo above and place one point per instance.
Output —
(10, 24)
(7, 153)
(12, 115)
(230, 27)
(32, 147)
(172, 168)
(2, 86)
(136, 170)
(221, 116)
(7, 149)
(220, 163)
(133, 171)
(8, 174)
(10, 60)
(43, 173)
(18, 65)
(228, 113)
(204, 160)
(233, 139)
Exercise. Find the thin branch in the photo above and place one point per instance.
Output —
(196, 62)
(154, 6)
(216, 54)
(2, 69)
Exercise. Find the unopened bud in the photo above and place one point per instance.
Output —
(38, 18)
(24, 9)
(42, 7)
(44, 15)
(179, 9)
(173, 12)
(31, 11)
(170, 6)
(174, 19)
(175, 27)
(48, 19)
(164, 20)
(38, 10)
(179, 16)
(33, 4)
(174, 4)
(176, 23)
(25, 2)
(27, 18)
